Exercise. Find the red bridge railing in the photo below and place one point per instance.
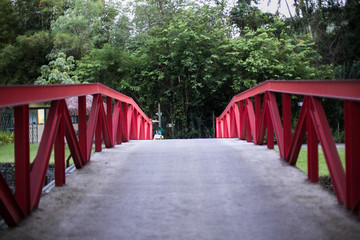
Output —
(121, 121)
(252, 113)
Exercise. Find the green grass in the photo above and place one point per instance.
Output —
(7, 153)
(323, 169)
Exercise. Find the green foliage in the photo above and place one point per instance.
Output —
(7, 153)
(59, 71)
(110, 65)
(334, 28)
(20, 62)
(6, 137)
(82, 27)
(271, 53)
(245, 15)
(8, 23)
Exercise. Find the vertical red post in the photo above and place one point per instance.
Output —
(59, 149)
(228, 125)
(237, 120)
(150, 129)
(232, 122)
(224, 127)
(109, 118)
(22, 157)
(138, 126)
(82, 128)
(269, 132)
(124, 122)
(312, 149)
(133, 123)
(119, 127)
(242, 120)
(247, 124)
(98, 128)
(257, 112)
(286, 107)
(352, 153)
(146, 129)
(143, 128)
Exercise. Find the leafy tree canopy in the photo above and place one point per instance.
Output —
(59, 71)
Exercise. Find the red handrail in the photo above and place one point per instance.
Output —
(246, 117)
(123, 120)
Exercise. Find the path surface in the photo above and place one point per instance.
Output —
(187, 189)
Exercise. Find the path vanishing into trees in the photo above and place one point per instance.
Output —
(188, 189)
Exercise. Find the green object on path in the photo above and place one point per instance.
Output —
(159, 131)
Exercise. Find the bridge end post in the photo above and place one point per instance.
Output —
(352, 154)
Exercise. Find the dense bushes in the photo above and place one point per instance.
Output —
(6, 137)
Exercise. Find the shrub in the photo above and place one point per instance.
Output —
(6, 137)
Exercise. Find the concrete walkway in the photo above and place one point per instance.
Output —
(187, 189)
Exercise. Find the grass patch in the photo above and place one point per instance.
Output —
(323, 169)
(7, 153)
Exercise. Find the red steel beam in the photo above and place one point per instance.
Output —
(227, 126)
(116, 133)
(109, 118)
(92, 124)
(73, 144)
(9, 208)
(124, 122)
(331, 154)
(269, 132)
(41, 162)
(252, 119)
(338, 89)
(22, 157)
(98, 126)
(59, 150)
(299, 134)
(276, 122)
(237, 119)
(312, 149)
(257, 99)
(106, 131)
(242, 120)
(150, 129)
(352, 154)
(82, 128)
(286, 109)
(22, 95)
(263, 122)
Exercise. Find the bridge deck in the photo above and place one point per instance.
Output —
(187, 189)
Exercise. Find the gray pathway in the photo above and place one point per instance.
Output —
(187, 189)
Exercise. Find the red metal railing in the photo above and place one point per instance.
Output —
(244, 120)
(123, 120)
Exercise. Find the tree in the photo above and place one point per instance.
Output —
(82, 27)
(20, 62)
(59, 71)
(244, 14)
(268, 53)
(183, 69)
(8, 23)
(334, 27)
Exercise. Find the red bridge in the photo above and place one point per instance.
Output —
(184, 189)
(240, 119)
(124, 121)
